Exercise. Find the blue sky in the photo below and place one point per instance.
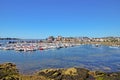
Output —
(42, 18)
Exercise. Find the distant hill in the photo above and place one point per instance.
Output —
(9, 39)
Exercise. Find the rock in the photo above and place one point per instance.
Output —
(8, 71)
(65, 74)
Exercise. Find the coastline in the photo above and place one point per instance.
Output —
(9, 71)
(56, 43)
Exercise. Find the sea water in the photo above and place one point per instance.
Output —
(102, 58)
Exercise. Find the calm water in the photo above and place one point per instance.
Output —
(87, 56)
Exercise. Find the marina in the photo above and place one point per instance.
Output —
(33, 46)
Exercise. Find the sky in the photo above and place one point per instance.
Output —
(42, 18)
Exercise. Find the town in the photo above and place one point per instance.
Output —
(56, 43)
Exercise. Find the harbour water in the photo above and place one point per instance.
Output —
(103, 58)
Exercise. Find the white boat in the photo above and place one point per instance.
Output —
(115, 47)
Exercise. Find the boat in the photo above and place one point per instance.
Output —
(41, 48)
(115, 47)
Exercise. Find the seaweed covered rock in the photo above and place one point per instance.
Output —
(8, 71)
(65, 74)
(77, 74)
(108, 76)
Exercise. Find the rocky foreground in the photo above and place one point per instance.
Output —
(8, 71)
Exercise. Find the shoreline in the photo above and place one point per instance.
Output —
(9, 71)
